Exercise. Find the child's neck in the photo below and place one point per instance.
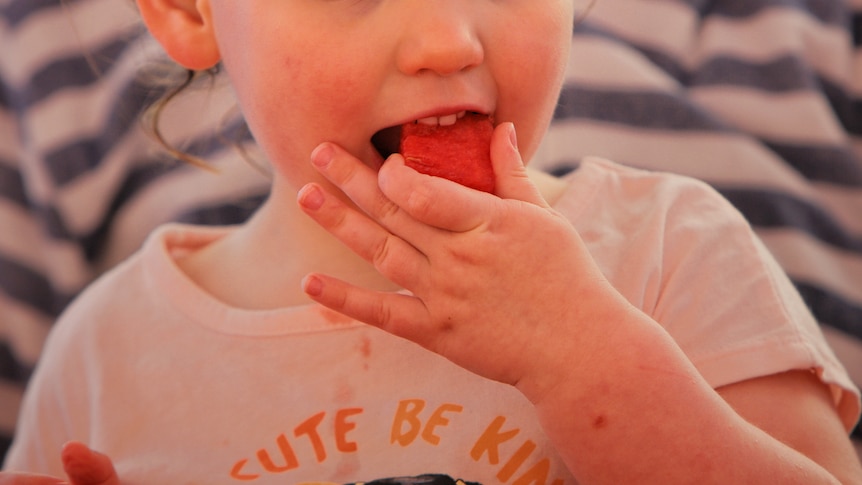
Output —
(260, 265)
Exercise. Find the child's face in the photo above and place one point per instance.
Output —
(308, 71)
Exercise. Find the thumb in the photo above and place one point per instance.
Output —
(87, 467)
(512, 180)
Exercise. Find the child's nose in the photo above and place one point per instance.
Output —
(441, 37)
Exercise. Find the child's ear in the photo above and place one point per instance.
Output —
(185, 30)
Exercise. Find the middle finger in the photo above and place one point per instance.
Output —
(360, 183)
(392, 256)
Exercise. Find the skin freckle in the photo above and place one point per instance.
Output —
(365, 347)
(600, 421)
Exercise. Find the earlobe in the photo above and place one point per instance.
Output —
(184, 29)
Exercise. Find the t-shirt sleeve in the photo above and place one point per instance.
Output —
(730, 306)
(59, 398)
(46, 417)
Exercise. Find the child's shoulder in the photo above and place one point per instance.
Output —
(602, 187)
(648, 183)
(139, 284)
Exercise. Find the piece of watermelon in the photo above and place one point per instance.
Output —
(459, 152)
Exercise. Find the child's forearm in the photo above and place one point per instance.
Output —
(633, 409)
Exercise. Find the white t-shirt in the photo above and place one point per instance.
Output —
(178, 387)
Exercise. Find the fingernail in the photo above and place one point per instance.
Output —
(310, 197)
(513, 137)
(312, 285)
(322, 155)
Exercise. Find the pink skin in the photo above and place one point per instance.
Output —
(387, 62)
(402, 70)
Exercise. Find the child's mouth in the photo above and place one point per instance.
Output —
(387, 141)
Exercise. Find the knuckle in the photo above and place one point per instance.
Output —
(386, 210)
(382, 253)
(337, 218)
(382, 315)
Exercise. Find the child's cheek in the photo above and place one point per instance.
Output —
(302, 101)
(327, 103)
(332, 91)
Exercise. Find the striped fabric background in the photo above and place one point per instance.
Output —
(760, 98)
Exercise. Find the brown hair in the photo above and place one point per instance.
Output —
(173, 80)
(154, 113)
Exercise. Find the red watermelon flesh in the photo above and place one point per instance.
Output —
(460, 152)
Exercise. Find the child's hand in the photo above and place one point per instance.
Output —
(497, 283)
(82, 465)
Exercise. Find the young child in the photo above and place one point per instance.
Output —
(614, 327)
